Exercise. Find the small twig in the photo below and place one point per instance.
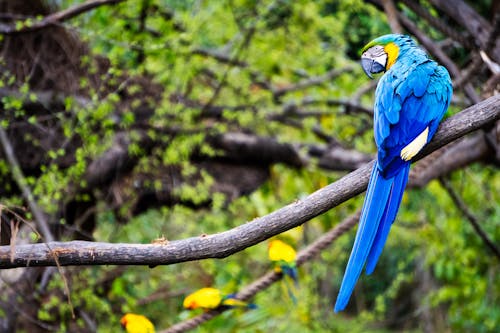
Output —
(493, 37)
(462, 207)
(246, 41)
(318, 131)
(313, 81)
(493, 66)
(491, 86)
(161, 294)
(371, 85)
(349, 106)
(466, 75)
(14, 228)
(20, 294)
(220, 57)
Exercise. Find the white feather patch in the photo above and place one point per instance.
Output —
(412, 149)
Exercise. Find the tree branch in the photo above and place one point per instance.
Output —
(313, 81)
(220, 57)
(455, 156)
(392, 16)
(350, 106)
(57, 17)
(231, 241)
(17, 174)
(477, 25)
(437, 22)
(462, 207)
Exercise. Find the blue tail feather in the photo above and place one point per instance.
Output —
(382, 201)
(388, 217)
(291, 287)
(291, 271)
(376, 198)
(230, 301)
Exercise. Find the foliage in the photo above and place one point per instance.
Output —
(281, 43)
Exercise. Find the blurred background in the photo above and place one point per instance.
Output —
(129, 121)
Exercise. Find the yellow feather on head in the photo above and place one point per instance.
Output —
(204, 298)
(134, 323)
(392, 51)
(281, 251)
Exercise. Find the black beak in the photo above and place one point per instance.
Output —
(370, 67)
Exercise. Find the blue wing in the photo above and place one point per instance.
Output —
(406, 102)
(411, 96)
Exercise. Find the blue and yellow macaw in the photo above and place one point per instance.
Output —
(410, 100)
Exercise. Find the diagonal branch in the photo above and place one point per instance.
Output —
(313, 81)
(462, 207)
(463, 38)
(392, 16)
(477, 25)
(57, 17)
(237, 239)
(455, 156)
(17, 174)
(40, 216)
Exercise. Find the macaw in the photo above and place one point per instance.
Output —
(134, 323)
(283, 257)
(410, 100)
(211, 298)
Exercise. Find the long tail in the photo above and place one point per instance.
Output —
(290, 271)
(379, 211)
(231, 302)
(391, 210)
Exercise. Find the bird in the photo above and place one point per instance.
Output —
(283, 256)
(212, 298)
(135, 323)
(411, 98)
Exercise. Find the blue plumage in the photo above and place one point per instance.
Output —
(410, 100)
(390, 212)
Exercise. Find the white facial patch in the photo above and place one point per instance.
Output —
(382, 59)
(377, 53)
(412, 149)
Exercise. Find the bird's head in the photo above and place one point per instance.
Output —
(190, 303)
(124, 320)
(381, 53)
(273, 243)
